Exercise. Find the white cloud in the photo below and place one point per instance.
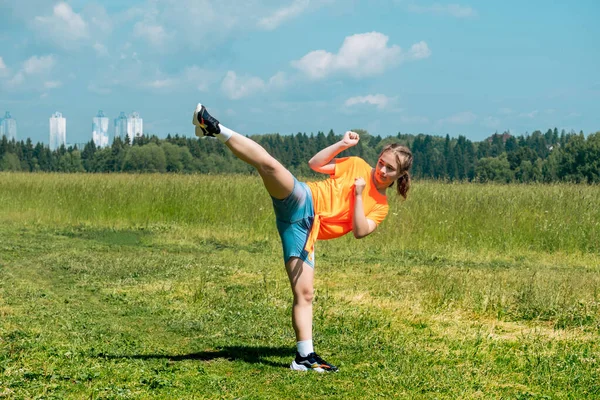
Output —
(530, 115)
(33, 74)
(162, 83)
(201, 24)
(236, 87)
(64, 27)
(52, 84)
(462, 118)
(361, 55)
(278, 80)
(131, 71)
(505, 111)
(154, 34)
(101, 23)
(38, 65)
(379, 100)
(279, 16)
(4, 71)
(16, 80)
(316, 64)
(194, 77)
(418, 51)
(574, 115)
(193, 23)
(455, 10)
(101, 50)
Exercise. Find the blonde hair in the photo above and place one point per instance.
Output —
(404, 158)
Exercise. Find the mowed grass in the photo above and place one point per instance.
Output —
(168, 286)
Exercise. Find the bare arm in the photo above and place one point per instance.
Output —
(361, 225)
(323, 160)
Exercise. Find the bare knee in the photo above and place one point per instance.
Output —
(268, 166)
(303, 296)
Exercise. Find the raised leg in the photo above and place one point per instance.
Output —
(278, 181)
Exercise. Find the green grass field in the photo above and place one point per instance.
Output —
(169, 286)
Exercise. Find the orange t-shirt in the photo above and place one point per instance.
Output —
(333, 198)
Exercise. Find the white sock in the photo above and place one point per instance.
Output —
(225, 134)
(305, 347)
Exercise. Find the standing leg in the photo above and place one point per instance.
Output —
(301, 277)
(278, 181)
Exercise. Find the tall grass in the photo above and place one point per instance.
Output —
(547, 218)
(558, 217)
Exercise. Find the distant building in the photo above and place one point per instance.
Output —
(135, 126)
(129, 126)
(100, 130)
(58, 131)
(121, 126)
(8, 127)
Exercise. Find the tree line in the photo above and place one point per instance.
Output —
(536, 157)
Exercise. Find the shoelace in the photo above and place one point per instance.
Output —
(318, 359)
(210, 119)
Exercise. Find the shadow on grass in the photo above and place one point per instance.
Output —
(248, 354)
(112, 237)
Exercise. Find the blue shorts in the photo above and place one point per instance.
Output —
(295, 215)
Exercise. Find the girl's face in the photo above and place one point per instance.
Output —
(387, 169)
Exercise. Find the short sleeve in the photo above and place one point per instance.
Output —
(342, 165)
(378, 213)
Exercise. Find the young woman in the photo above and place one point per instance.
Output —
(352, 199)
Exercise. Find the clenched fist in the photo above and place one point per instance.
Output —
(350, 139)
(359, 185)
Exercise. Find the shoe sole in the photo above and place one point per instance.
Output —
(300, 367)
(195, 116)
(198, 131)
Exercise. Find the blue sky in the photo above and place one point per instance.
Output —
(387, 66)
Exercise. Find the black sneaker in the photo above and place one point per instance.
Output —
(312, 362)
(206, 124)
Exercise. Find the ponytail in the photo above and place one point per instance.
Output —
(403, 185)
